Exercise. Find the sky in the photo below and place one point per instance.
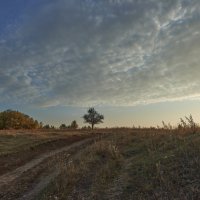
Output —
(136, 61)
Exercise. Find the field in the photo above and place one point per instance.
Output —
(101, 164)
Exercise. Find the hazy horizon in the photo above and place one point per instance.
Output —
(135, 61)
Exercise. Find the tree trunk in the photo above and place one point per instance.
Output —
(92, 126)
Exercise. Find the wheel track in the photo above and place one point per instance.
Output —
(10, 177)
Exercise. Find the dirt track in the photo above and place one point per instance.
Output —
(28, 180)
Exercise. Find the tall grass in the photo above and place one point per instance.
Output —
(133, 164)
(85, 173)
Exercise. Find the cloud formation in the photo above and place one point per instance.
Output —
(108, 52)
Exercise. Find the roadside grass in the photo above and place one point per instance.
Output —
(34, 178)
(86, 175)
(132, 164)
(163, 167)
(13, 141)
(18, 147)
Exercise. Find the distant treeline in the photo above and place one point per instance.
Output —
(10, 119)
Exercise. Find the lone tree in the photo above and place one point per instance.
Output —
(93, 117)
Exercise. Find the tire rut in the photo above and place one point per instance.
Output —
(8, 178)
(30, 195)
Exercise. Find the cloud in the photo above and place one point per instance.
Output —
(104, 52)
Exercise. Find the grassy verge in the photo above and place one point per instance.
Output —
(14, 141)
(87, 175)
(28, 183)
(134, 165)
(18, 148)
(163, 166)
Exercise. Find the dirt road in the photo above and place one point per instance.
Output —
(28, 180)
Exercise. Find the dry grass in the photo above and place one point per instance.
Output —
(88, 173)
(132, 164)
(18, 147)
(122, 164)
(163, 166)
(12, 141)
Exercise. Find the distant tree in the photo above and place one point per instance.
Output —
(93, 117)
(74, 125)
(86, 127)
(47, 126)
(40, 125)
(11, 119)
(63, 126)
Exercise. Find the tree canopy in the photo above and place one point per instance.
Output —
(63, 126)
(93, 117)
(11, 119)
(74, 125)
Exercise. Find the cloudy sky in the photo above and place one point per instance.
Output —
(136, 61)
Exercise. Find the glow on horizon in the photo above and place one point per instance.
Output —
(141, 115)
